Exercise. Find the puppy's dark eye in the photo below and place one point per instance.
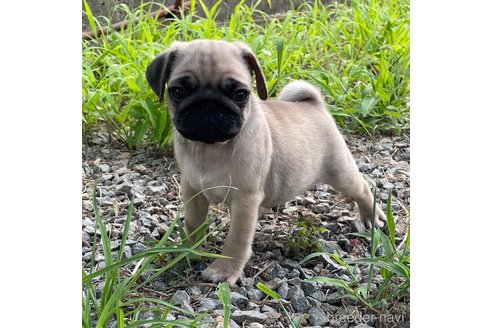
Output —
(178, 93)
(240, 95)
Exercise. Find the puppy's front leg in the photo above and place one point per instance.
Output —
(244, 213)
(196, 209)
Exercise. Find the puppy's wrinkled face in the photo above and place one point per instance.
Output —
(208, 86)
(207, 112)
(208, 91)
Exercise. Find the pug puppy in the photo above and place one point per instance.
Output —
(266, 151)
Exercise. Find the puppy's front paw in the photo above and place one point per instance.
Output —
(380, 218)
(222, 270)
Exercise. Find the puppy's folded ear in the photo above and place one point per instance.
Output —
(254, 65)
(159, 70)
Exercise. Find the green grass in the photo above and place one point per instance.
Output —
(394, 268)
(121, 298)
(357, 54)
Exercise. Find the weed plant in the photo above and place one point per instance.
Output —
(394, 269)
(121, 297)
(356, 53)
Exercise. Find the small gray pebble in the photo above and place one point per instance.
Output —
(329, 246)
(87, 257)
(99, 257)
(358, 226)
(233, 324)
(159, 284)
(210, 303)
(239, 300)
(144, 231)
(344, 242)
(144, 222)
(130, 176)
(388, 185)
(87, 205)
(274, 283)
(305, 273)
(86, 236)
(299, 303)
(283, 290)
(124, 188)
(256, 295)
(155, 233)
(181, 297)
(345, 277)
(321, 194)
(376, 173)
(308, 287)
(267, 255)
(307, 201)
(130, 242)
(296, 290)
(139, 248)
(139, 168)
(399, 185)
(114, 244)
(251, 316)
(294, 281)
(319, 295)
(105, 201)
(290, 264)
(194, 291)
(246, 282)
(333, 215)
(256, 325)
(243, 291)
(145, 315)
(187, 307)
(139, 200)
(278, 271)
(317, 317)
(277, 253)
(366, 167)
(333, 298)
(321, 208)
(294, 274)
(334, 227)
(268, 309)
(104, 168)
(155, 189)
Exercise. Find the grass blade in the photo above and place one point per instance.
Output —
(225, 297)
(124, 235)
(390, 219)
(90, 18)
(394, 267)
(268, 291)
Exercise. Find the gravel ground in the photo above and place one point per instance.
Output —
(320, 219)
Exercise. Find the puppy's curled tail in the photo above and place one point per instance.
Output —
(301, 91)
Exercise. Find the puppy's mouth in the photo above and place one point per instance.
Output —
(208, 121)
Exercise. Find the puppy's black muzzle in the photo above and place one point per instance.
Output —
(208, 121)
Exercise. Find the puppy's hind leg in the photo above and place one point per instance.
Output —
(344, 176)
